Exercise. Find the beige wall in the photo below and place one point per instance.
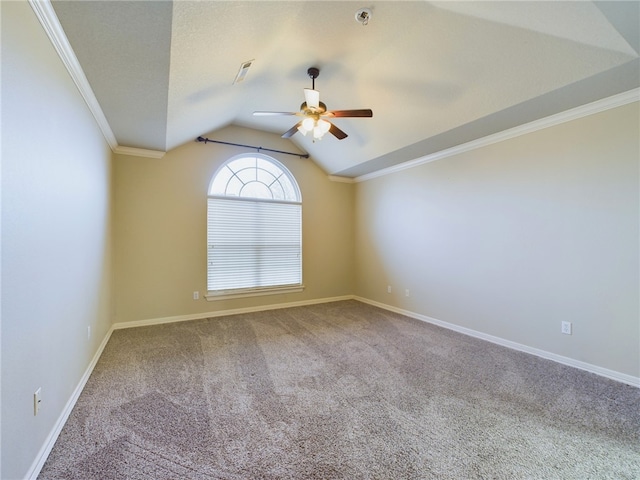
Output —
(513, 238)
(55, 237)
(160, 229)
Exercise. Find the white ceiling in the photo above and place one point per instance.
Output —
(436, 74)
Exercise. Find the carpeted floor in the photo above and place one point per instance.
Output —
(339, 391)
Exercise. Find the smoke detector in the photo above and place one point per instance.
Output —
(363, 16)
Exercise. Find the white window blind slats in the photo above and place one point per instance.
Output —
(253, 244)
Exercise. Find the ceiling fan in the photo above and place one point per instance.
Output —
(315, 114)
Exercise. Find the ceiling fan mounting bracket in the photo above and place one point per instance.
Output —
(313, 73)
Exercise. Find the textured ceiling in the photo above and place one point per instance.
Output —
(436, 74)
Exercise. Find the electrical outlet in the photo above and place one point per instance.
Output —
(566, 328)
(388, 288)
(88, 332)
(37, 400)
(196, 295)
(406, 292)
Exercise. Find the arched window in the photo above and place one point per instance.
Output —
(254, 229)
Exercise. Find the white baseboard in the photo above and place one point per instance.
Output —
(44, 452)
(604, 372)
(222, 313)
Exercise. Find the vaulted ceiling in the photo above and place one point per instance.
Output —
(435, 74)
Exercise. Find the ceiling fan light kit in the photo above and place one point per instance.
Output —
(315, 112)
(318, 127)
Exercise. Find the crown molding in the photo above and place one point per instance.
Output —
(550, 121)
(49, 21)
(337, 178)
(139, 152)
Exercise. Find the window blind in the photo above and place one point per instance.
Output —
(253, 244)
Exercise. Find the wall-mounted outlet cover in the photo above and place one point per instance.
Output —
(566, 328)
(406, 292)
(388, 288)
(196, 295)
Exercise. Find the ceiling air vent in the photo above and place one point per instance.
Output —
(244, 68)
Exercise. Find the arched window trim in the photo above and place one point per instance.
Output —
(221, 282)
(258, 156)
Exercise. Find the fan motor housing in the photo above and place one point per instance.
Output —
(310, 111)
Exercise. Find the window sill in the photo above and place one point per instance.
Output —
(252, 292)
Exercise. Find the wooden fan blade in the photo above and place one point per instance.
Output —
(289, 133)
(264, 114)
(336, 132)
(365, 112)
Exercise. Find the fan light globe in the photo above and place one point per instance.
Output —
(324, 126)
(321, 127)
(308, 124)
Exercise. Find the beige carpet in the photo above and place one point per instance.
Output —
(339, 391)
